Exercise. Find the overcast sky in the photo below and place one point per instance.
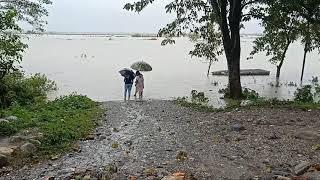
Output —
(109, 16)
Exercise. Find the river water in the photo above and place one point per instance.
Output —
(89, 65)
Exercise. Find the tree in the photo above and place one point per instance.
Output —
(11, 45)
(280, 30)
(225, 16)
(208, 48)
(308, 13)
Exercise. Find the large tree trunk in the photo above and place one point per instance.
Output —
(304, 61)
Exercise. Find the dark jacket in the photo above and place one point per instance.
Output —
(129, 79)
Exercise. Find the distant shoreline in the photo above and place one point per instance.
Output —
(111, 34)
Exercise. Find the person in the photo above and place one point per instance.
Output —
(139, 83)
(128, 82)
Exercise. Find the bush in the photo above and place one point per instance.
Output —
(7, 129)
(198, 97)
(247, 94)
(304, 94)
(19, 89)
(61, 121)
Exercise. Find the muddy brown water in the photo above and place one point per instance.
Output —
(89, 65)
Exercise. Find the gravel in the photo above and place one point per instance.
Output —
(224, 145)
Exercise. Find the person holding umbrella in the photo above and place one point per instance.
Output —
(140, 66)
(139, 85)
(128, 82)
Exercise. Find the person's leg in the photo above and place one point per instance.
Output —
(125, 92)
(129, 90)
(140, 95)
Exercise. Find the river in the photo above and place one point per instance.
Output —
(89, 65)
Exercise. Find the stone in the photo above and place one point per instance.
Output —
(281, 173)
(312, 175)
(3, 160)
(17, 139)
(35, 142)
(87, 177)
(102, 137)
(302, 167)
(238, 127)
(50, 178)
(6, 151)
(4, 121)
(273, 136)
(307, 135)
(173, 178)
(90, 137)
(28, 148)
(76, 147)
(12, 118)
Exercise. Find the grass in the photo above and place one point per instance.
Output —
(254, 103)
(61, 121)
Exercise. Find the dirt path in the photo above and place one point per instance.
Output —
(144, 138)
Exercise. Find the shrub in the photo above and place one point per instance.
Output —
(304, 94)
(17, 88)
(198, 97)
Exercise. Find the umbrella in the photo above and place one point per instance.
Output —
(126, 72)
(141, 66)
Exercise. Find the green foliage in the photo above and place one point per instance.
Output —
(12, 13)
(247, 94)
(198, 97)
(280, 30)
(19, 89)
(61, 121)
(250, 94)
(7, 129)
(11, 46)
(304, 94)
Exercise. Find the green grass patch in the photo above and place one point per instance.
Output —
(254, 103)
(61, 121)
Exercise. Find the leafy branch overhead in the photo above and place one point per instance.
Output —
(11, 13)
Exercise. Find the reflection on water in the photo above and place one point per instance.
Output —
(89, 65)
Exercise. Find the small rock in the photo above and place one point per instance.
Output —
(3, 160)
(281, 173)
(76, 148)
(133, 178)
(6, 151)
(150, 172)
(307, 135)
(11, 118)
(151, 178)
(90, 137)
(273, 136)
(173, 178)
(302, 167)
(128, 143)
(4, 121)
(54, 157)
(238, 127)
(28, 148)
(282, 178)
(181, 156)
(35, 142)
(312, 175)
(102, 137)
(49, 178)
(17, 139)
(87, 177)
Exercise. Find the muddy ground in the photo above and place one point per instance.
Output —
(152, 139)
